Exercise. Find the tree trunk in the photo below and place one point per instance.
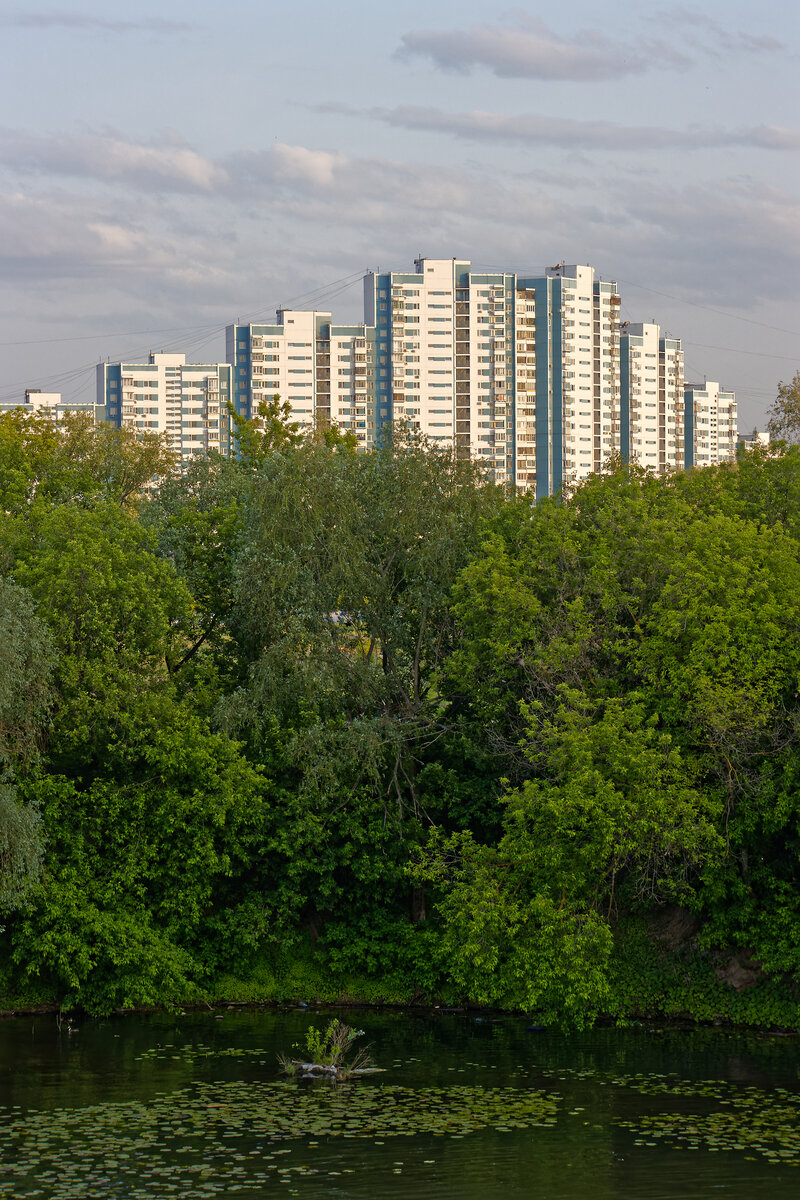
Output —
(417, 899)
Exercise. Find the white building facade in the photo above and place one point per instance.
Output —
(532, 376)
(445, 359)
(576, 375)
(711, 424)
(50, 404)
(326, 372)
(187, 401)
(652, 390)
(520, 373)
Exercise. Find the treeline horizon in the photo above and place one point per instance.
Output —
(368, 713)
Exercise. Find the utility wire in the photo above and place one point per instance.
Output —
(668, 296)
(204, 334)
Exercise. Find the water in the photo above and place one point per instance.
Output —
(147, 1107)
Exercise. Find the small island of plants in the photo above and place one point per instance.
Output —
(327, 1054)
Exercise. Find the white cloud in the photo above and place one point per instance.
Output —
(296, 202)
(108, 157)
(298, 164)
(566, 133)
(528, 49)
(51, 19)
(698, 29)
(74, 256)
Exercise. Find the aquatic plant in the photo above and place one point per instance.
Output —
(326, 1053)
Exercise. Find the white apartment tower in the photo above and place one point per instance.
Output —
(576, 375)
(187, 401)
(519, 373)
(530, 375)
(652, 403)
(711, 424)
(326, 372)
(444, 346)
(51, 405)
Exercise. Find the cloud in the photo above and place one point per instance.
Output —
(729, 242)
(529, 50)
(297, 164)
(85, 22)
(168, 165)
(566, 133)
(707, 34)
(703, 238)
(159, 226)
(315, 185)
(66, 237)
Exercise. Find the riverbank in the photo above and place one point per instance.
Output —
(648, 983)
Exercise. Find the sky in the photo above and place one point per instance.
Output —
(167, 168)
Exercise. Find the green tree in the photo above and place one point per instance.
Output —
(270, 430)
(195, 519)
(75, 460)
(26, 662)
(784, 413)
(140, 858)
(148, 814)
(610, 818)
(674, 602)
(341, 612)
(118, 615)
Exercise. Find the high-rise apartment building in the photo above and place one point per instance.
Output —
(445, 339)
(326, 372)
(520, 373)
(576, 375)
(187, 401)
(50, 404)
(652, 400)
(527, 374)
(711, 424)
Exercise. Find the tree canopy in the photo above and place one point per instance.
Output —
(370, 709)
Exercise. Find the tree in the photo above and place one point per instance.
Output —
(671, 608)
(195, 519)
(118, 615)
(341, 615)
(611, 817)
(784, 413)
(139, 860)
(26, 663)
(21, 848)
(343, 578)
(26, 666)
(76, 460)
(147, 812)
(270, 430)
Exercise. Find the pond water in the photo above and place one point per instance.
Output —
(193, 1105)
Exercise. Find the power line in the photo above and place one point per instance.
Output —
(204, 334)
(90, 337)
(752, 353)
(339, 284)
(708, 308)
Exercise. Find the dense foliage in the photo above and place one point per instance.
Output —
(367, 712)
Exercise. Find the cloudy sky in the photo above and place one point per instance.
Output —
(168, 167)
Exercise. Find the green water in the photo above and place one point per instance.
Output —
(194, 1106)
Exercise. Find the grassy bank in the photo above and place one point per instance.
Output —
(648, 982)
